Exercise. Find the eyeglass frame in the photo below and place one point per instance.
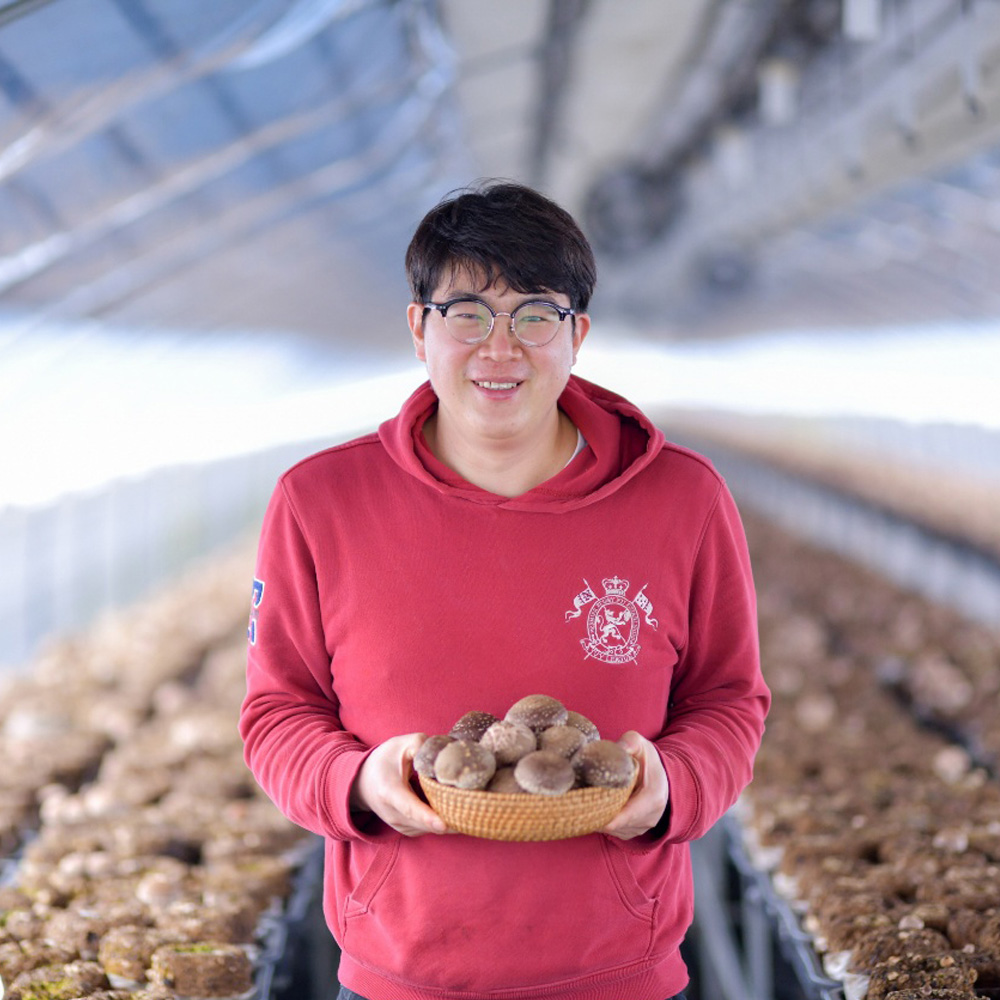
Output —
(443, 307)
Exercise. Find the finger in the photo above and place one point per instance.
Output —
(635, 819)
(418, 813)
(410, 751)
(623, 823)
(413, 822)
(415, 826)
(631, 742)
(635, 746)
(429, 820)
(642, 810)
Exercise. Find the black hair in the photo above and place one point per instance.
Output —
(508, 233)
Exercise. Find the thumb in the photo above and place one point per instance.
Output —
(409, 750)
(634, 745)
(631, 743)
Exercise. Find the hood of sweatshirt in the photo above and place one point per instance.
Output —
(621, 441)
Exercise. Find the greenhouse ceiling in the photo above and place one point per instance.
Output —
(259, 164)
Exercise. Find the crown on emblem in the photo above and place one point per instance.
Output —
(614, 585)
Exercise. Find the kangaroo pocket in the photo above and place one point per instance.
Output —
(530, 914)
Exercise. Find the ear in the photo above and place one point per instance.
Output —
(415, 317)
(581, 327)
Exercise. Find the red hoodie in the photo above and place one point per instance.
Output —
(392, 597)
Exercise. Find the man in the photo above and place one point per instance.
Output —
(472, 552)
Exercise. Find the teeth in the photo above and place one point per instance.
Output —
(497, 385)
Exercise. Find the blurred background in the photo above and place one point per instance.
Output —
(204, 209)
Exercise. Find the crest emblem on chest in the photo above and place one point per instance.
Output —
(613, 621)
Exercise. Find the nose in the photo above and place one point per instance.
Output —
(503, 344)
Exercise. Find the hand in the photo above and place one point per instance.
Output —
(651, 793)
(382, 786)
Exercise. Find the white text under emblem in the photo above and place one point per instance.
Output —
(612, 620)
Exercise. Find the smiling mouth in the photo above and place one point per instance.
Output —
(498, 385)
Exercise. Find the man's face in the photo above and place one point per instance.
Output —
(497, 391)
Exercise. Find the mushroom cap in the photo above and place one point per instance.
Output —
(472, 725)
(563, 740)
(509, 741)
(581, 722)
(604, 764)
(537, 712)
(544, 773)
(465, 765)
(504, 782)
(423, 759)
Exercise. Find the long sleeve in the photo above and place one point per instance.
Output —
(294, 741)
(719, 699)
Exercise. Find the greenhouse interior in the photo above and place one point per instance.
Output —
(205, 208)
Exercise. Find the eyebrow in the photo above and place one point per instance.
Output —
(460, 293)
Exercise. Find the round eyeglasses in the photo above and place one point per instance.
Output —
(470, 321)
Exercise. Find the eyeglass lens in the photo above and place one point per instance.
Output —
(535, 323)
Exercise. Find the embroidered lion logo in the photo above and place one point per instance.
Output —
(613, 620)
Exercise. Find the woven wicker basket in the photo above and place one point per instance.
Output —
(503, 816)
